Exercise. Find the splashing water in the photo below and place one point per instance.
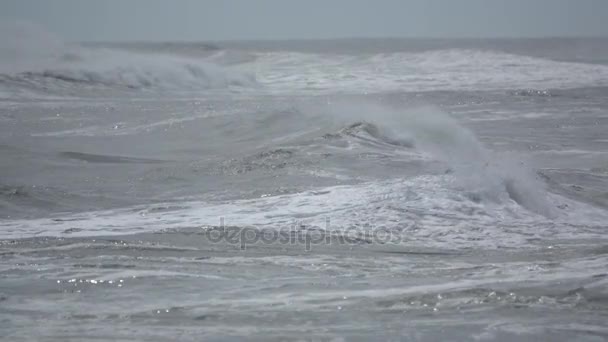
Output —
(485, 175)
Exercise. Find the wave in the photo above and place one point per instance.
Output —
(429, 210)
(158, 71)
(480, 173)
(39, 60)
(439, 70)
(123, 69)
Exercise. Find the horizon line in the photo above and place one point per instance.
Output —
(341, 38)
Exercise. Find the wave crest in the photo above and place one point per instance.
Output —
(478, 171)
(38, 59)
(140, 72)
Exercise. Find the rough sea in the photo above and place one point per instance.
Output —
(355, 189)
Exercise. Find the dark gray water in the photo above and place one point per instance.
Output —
(360, 189)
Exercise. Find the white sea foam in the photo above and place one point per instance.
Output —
(451, 69)
(430, 209)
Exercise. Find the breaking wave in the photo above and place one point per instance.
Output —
(480, 173)
(114, 68)
(33, 58)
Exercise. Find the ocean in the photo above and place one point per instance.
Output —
(354, 189)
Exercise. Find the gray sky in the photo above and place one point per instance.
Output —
(288, 19)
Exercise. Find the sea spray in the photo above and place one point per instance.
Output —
(485, 175)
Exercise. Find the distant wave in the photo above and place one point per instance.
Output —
(37, 60)
(116, 68)
(438, 70)
(137, 72)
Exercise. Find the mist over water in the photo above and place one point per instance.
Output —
(471, 176)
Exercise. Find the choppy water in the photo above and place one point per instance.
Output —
(392, 189)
